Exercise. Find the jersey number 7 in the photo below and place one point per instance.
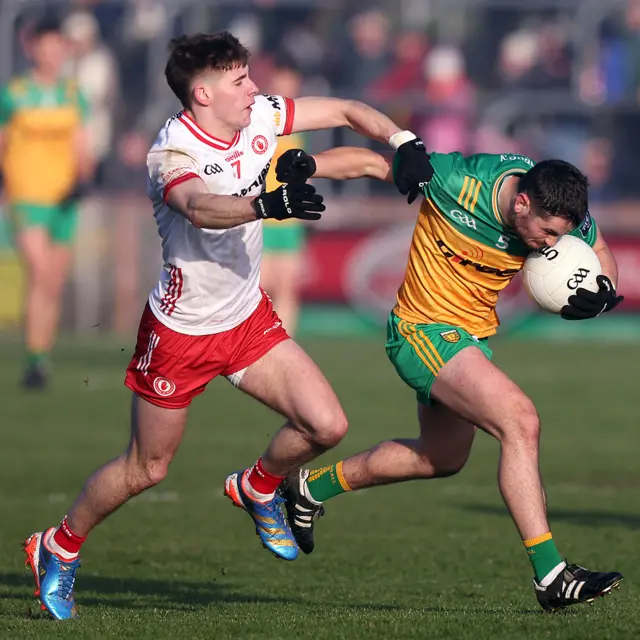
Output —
(236, 168)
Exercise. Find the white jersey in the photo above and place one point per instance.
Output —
(210, 278)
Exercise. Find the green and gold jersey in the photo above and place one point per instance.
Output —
(40, 125)
(462, 252)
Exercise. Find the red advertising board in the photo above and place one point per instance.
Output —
(364, 269)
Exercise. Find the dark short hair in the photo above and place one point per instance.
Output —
(48, 24)
(191, 55)
(557, 188)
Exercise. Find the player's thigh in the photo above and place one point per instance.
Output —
(63, 225)
(280, 273)
(445, 437)
(478, 391)
(156, 432)
(419, 352)
(30, 227)
(60, 261)
(288, 381)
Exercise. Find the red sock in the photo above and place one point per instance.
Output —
(66, 539)
(262, 481)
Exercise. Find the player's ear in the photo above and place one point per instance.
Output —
(201, 95)
(522, 203)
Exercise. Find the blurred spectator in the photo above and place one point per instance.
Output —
(281, 267)
(450, 99)
(597, 162)
(94, 67)
(405, 76)
(519, 54)
(367, 53)
(620, 57)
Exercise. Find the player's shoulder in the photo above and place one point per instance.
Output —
(269, 103)
(16, 86)
(173, 134)
(272, 111)
(486, 165)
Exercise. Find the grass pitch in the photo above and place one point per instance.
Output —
(436, 559)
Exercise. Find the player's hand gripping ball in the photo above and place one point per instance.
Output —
(567, 279)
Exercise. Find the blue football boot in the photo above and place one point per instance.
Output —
(271, 524)
(54, 577)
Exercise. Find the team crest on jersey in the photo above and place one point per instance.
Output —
(259, 145)
(450, 336)
(164, 387)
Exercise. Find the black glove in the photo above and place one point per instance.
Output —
(296, 200)
(412, 168)
(587, 304)
(295, 165)
(79, 191)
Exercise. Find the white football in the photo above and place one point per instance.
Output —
(552, 274)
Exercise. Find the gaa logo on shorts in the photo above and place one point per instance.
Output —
(450, 336)
(259, 145)
(164, 387)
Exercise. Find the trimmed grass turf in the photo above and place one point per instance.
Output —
(434, 559)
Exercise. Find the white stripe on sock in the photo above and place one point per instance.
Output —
(54, 547)
(553, 574)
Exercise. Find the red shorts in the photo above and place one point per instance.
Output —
(169, 369)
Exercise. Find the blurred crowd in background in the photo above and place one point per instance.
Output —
(546, 78)
(550, 79)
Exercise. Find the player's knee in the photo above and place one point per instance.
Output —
(450, 467)
(39, 274)
(525, 424)
(329, 428)
(146, 474)
(156, 471)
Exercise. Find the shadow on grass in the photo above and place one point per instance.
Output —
(145, 592)
(580, 516)
(133, 593)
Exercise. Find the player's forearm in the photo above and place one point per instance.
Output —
(609, 264)
(368, 121)
(208, 211)
(349, 163)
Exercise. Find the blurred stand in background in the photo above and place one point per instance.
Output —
(548, 79)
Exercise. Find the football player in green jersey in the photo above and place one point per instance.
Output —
(479, 218)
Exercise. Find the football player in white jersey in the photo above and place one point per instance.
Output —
(207, 316)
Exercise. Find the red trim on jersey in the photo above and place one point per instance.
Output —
(174, 183)
(174, 290)
(289, 113)
(207, 138)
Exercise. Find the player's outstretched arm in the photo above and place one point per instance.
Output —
(413, 169)
(210, 211)
(326, 113)
(349, 163)
(340, 163)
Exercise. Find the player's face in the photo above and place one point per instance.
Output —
(50, 52)
(233, 96)
(536, 229)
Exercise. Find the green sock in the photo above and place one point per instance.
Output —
(327, 482)
(543, 555)
(37, 359)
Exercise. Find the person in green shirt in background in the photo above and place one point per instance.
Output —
(45, 158)
(283, 240)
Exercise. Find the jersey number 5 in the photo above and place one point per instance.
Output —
(236, 168)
